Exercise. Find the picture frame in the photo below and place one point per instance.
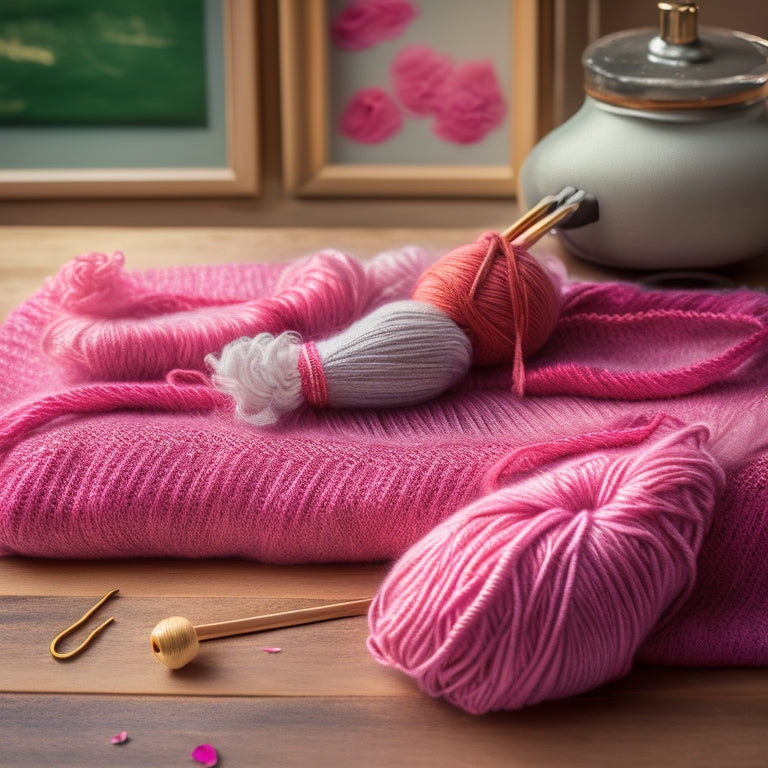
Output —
(223, 156)
(312, 167)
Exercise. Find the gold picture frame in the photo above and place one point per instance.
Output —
(309, 170)
(235, 174)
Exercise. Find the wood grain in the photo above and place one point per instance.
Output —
(188, 578)
(632, 723)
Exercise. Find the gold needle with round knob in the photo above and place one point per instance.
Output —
(175, 640)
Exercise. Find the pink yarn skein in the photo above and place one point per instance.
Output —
(548, 587)
(113, 328)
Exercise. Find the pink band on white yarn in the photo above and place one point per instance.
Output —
(314, 387)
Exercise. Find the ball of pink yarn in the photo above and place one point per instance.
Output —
(418, 75)
(547, 588)
(371, 116)
(471, 105)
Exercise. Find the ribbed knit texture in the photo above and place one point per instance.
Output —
(102, 460)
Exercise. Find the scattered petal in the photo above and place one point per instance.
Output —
(272, 649)
(120, 738)
(206, 755)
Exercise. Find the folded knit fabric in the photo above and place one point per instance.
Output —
(115, 444)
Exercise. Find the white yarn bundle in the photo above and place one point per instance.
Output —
(403, 353)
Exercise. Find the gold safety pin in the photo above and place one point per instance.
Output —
(69, 654)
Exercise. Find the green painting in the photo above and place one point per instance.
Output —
(102, 62)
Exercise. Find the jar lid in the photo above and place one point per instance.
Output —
(677, 65)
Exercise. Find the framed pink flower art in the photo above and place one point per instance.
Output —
(409, 98)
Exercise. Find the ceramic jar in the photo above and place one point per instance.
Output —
(672, 140)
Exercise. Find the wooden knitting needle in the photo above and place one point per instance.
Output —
(571, 207)
(175, 640)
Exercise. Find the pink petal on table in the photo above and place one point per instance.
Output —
(272, 649)
(206, 755)
(120, 738)
(371, 116)
(364, 23)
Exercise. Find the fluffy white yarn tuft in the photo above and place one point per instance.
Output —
(261, 374)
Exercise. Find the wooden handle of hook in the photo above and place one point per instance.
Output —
(283, 619)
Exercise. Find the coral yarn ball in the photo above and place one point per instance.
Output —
(514, 300)
(547, 588)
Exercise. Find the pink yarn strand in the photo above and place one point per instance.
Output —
(518, 301)
(529, 457)
(102, 398)
(619, 331)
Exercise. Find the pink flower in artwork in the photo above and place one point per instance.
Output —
(471, 104)
(371, 116)
(364, 23)
(418, 76)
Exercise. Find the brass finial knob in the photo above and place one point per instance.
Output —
(678, 23)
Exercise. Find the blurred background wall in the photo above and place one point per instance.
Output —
(567, 26)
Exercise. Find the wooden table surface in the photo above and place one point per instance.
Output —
(323, 700)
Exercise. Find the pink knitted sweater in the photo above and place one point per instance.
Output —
(114, 444)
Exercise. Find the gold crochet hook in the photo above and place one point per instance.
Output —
(80, 648)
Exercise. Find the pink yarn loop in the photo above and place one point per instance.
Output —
(90, 283)
(95, 284)
(314, 387)
(528, 457)
(727, 341)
